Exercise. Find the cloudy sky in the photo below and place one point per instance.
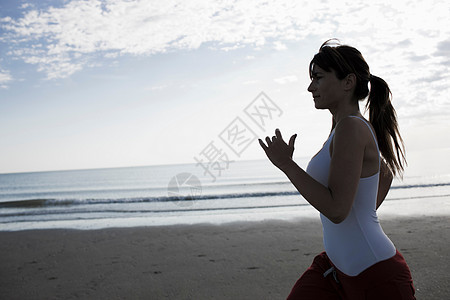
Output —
(89, 84)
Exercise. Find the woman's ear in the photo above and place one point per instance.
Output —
(349, 82)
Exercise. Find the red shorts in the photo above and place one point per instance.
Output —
(388, 279)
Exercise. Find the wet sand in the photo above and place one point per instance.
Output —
(253, 260)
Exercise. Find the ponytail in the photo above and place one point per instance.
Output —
(383, 118)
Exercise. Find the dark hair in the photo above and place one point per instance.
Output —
(345, 60)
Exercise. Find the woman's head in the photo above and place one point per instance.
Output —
(344, 60)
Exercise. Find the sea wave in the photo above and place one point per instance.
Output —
(58, 202)
(36, 203)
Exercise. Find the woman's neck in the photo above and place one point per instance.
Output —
(342, 113)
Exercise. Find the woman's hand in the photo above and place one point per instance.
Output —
(278, 152)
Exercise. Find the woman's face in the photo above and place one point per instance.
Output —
(325, 88)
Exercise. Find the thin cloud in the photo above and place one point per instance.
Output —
(418, 58)
(286, 79)
(443, 48)
(157, 87)
(62, 40)
(248, 82)
(403, 41)
(5, 78)
(279, 46)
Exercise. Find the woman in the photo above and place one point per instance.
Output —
(347, 180)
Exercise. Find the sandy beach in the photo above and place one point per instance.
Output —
(253, 260)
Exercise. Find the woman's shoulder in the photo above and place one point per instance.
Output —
(352, 124)
(355, 130)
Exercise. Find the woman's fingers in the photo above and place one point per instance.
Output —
(262, 145)
(292, 140)
(278, 134)
(275, 139)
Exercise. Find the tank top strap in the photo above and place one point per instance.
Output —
(373, 135)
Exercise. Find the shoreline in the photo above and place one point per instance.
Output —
(420, 206)
(242, 260)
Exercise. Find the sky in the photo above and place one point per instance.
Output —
(115, 83)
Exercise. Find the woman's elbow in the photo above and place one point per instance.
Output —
(337, 220)
(340, 208)
(339, 216)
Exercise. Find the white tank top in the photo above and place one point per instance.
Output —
(359, 241)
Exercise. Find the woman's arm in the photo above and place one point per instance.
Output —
(334, 201)
(333, 123)
(386, 178)
(318, 195)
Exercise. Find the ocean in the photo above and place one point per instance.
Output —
(180, 194)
